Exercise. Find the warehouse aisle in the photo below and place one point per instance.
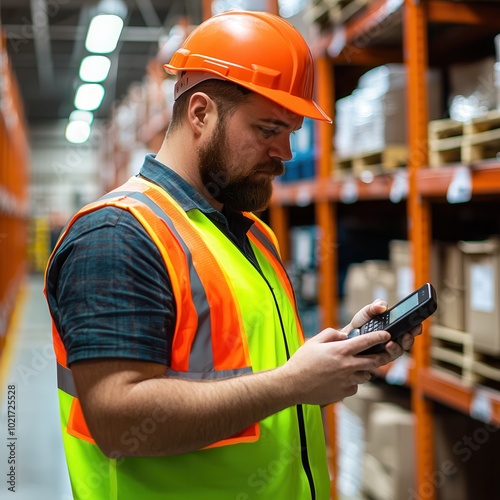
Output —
(30, 439)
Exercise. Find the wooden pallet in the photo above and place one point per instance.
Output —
(487, 370)
(342, 10)
(377, 162)
(452, 352)
(481, 138)
(445, 142)
(451, 141)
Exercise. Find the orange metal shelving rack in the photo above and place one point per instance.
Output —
(14, 153)
(425, 185)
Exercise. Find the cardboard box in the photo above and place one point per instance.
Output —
(368, 396)
(381, 279)
(374, 116)
(400, 258)
(472, 89)
(352, 429)
(482, 292)
(367, 281)
(357, 293)
(452, 294)
(377, 482)
(389, 460)
(451, 472)
(350, 446)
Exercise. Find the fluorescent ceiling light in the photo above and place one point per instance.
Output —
(89, 96)
(82, 116)
(104, 33)
(94, 68)
(77, 132)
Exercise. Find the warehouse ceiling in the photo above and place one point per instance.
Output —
(46, 42)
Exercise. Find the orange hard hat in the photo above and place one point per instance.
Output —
(257, 50)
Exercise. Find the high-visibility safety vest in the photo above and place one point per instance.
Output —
(232, 318)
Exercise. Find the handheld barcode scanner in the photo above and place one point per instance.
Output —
(401, 318)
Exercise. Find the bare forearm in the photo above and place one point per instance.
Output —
(166, 416)
(133, 410)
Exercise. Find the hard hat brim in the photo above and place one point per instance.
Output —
(298, 105)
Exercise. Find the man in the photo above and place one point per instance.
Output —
(182, 369)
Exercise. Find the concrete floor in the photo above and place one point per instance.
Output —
(29, 365)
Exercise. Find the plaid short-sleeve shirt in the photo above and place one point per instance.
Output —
(108, 289)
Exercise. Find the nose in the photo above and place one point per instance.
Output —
(280, 148)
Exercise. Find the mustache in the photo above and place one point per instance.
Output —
(273, 166)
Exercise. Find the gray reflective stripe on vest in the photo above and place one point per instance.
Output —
(262, 237)
(265, 241)
(66, 383)
(213, 375)
(201, 355)
(65, 380)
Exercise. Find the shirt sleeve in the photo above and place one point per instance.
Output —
(109, 292)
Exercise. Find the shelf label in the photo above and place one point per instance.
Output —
(338, 41)
(482, 295)
(460, 188)
(394, 5)
(481, 407)
(398, 372)
(399, 188)
(349, 193)
(303, 198)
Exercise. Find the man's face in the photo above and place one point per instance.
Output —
(246, 151)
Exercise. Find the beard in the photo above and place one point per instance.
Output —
(249, 192)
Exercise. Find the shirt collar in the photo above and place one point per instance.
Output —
(182, 192)
(186, 195)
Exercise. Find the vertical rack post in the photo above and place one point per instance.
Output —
(415, 50)
(206, 9)
(325, 213)
(278, 219)
(327, 251)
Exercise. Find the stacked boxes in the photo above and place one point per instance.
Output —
(367, 281)
(482, 293)
(365, 442)
(401, 258)
(466, 337)
(469, 297)
(452, 296)
(374, 116)
(389, 458)
(390, 280)
(473, 91)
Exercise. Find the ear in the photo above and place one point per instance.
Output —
(201, 111)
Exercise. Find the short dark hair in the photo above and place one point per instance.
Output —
(227, 96)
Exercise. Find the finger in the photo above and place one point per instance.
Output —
(363, 376)
(366, 313)
(417, 330)
(394, 349)
(363, 342)
(360, 377)
(407, 341)
(330, 335)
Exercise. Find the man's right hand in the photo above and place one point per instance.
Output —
(327, 367)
